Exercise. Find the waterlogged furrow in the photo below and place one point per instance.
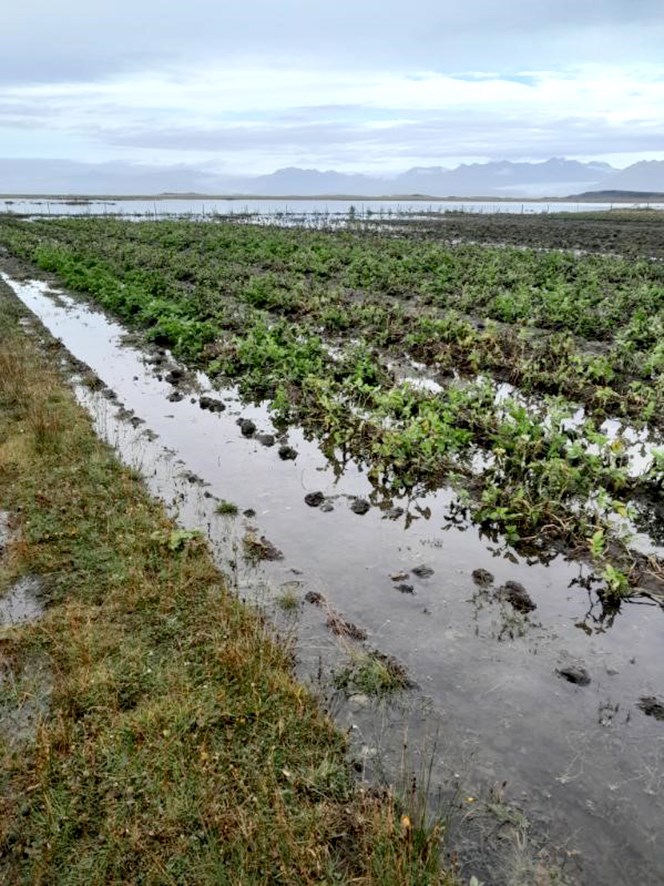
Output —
(257, 306)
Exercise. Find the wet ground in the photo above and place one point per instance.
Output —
(543, 707)
(616, 231)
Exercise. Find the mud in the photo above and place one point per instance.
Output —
(618, 232)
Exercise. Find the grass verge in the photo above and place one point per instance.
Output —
(177, 746)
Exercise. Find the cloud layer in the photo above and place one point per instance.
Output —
(376, 86)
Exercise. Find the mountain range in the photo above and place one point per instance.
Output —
(551, 178)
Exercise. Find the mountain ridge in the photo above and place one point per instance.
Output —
(553, 178)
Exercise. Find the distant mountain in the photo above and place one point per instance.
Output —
(552, 178)
(312, 183)
(647, 175)
(71, 177)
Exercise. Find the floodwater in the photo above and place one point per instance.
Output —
(326, 211)
(584, 763)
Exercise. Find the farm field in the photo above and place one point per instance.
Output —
(493, 369)
(493, 410)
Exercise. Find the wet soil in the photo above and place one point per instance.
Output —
(491, 705)
(620, 232)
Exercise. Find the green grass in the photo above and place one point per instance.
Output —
(372, 674)
(177, 746)
(226, 508)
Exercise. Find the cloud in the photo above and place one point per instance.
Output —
(380, 83)
(76, 40)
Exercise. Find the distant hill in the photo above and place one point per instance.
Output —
(552, 178)
(645, 176)
(621, 196)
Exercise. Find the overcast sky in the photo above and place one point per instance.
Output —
(375, 86)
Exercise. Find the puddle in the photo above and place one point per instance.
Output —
(584, 761)
(21, 602)
(4, 530)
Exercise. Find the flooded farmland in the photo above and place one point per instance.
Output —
(532, 692)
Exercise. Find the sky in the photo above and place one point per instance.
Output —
(374, 86)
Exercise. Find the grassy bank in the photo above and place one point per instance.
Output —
(169, 742)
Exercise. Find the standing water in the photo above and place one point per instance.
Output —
(501, 702)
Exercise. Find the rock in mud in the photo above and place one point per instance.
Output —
(287, 453)
(360, 506)
(399, 576)
(211, 404)
(249, 512)
(247, 427)
(265, 439)
(514, 593)
(394, 513)
(574, 674)
(652, 707)
(423, 571)
(482, 578)
(314, 499)
(405, 589)
(175, 396)
(326, 507)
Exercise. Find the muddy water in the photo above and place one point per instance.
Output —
(584, 763)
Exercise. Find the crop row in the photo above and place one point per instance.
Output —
(250, 305)
(186, 281)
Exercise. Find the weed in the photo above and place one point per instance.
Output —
(289, 601)
(373, 674)
(226, 508)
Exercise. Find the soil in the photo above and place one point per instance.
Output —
(619, 232)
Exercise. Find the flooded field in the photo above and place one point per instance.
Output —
(534, 672)
(316, 212)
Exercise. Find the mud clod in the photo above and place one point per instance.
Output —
(260, 548)
(175, 376)
(423, 571)
(175, 396)
(314, 499)
(514, 593)
(482, 578)
(247, 427)
(405, 588)
(211, 404)
(574, 674)
(265, 439)
(315, 598)
(651, 707)
(360, 506)
(342, 628)
(287, 453)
